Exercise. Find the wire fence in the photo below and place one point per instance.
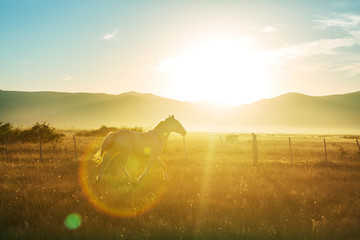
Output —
(296, 149)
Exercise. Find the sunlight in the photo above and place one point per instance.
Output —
(219, 69)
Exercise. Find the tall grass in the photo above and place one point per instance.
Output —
(216, 193)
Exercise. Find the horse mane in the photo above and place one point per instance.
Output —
(159, 126)
(162, 123)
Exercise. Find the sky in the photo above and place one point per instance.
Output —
(232, 52)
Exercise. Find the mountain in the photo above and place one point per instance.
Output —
(303, 111)
(287, 112)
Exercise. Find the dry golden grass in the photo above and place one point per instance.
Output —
(215, 194)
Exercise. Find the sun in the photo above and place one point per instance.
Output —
(219, 69)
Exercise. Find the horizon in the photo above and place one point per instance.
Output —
(209, 102)
(228, 52)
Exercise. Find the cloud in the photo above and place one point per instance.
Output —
(344, 21)
(68, 77)
(266, 29)
(269, 29)
(317, 47)
(351, 70)
(110, 36)
(348, 63)
(349, 24)
(355, 35)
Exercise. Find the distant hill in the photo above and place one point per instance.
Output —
(294, 110)
(287, 112)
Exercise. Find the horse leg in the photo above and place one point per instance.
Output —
(163, 168)
(106, 160)
(149, 163)
(123, 161)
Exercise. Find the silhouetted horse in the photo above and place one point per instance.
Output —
(149, 145)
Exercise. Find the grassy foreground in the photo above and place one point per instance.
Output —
(216, 193)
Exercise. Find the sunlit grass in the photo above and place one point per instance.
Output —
(215, 193)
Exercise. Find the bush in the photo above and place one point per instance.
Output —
(5, 128)
(8, 133)
(46, 133)
(104, 130)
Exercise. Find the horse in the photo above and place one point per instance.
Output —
(147, 145)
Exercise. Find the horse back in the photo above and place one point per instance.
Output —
(129, 141)
(137, 143)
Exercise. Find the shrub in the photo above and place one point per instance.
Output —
(8, 132)
(44, 130)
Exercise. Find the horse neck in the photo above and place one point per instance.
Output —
(161, 131)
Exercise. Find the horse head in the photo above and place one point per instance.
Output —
(175, 126)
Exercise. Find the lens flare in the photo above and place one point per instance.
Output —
(113, 195)
(147, 150)
(72, 221)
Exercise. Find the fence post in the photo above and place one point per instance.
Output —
(358, 144)
(75, 146)
(255, 148)
(40, 147)
(325, 150)
(291, 158)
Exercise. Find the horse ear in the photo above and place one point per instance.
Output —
(172, 116)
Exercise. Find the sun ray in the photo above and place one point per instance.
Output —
(206, 181)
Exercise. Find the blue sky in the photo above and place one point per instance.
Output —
(312, 47)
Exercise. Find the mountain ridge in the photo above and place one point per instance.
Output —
(91, 110)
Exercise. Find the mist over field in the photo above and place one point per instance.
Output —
(292, 112)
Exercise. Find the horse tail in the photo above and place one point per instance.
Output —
(98, 157)
(107, 143)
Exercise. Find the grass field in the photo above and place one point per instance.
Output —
(216, 193)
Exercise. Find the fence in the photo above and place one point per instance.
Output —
(256, 154)
(40, 151)
(71, 148)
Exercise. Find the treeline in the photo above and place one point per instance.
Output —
(9, 133)
(104, 130)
